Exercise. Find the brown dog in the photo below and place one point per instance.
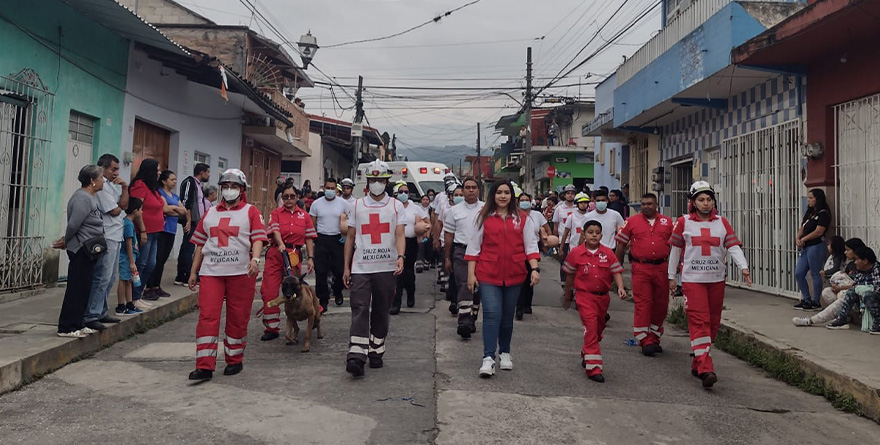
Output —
(300, 303)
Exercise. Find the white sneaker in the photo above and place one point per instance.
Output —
(488, 368)
(88, 331)
(142, 305)
(802, 321)
(506, 362)
(73, 334)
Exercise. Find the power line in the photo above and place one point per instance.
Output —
(438, 45)
(436, 19)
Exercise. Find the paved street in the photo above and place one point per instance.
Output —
(136, 391)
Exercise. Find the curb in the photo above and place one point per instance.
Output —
(865, 396)
(18, 373)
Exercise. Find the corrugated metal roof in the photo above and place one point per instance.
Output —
(123, 21)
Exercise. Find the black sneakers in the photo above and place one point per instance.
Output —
(267, 336)
(650, 350)
(709, 379)
(354, 367)
(838, 324)
(395, 310)
(464, 331)
(339, 300)
(201, 375)
(96, 325)
(233, 369)
(800, 305)
(597, 378)
(519, 313)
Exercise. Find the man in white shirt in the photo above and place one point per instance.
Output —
(326, 215)
(347, 189)
(111, 199)
(574, 226)
(374, 247)
(411, 214)
(459, 225)
(560, 216)
(611, 221)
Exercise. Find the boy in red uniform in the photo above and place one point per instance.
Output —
(590, 268)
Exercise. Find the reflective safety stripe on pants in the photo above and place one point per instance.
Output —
(370, 299)
(651, 298)
(703, 304)
(592, 310)
(238, 292)
(273, 273)
(468, 303)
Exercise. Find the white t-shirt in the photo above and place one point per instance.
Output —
(461, 220)
(108, 199)
(327, 213)
(561, 213)
(575, 226)
(539, 221)
(408, 216)
(440, 201)
(611, 222)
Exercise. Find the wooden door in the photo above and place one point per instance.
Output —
(261, 167)
(150, 142)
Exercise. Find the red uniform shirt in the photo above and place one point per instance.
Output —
(153, 208)
(593, 271)
(647, 242)
(293, 225)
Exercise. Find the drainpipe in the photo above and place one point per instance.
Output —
(662, 13)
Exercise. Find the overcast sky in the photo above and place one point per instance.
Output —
(480, 46)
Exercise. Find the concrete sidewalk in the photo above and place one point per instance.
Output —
(846, 361)
(29, 347)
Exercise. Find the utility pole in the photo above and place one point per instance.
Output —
(358, 118)
(479, 173)
(393, 147)
(527, 181)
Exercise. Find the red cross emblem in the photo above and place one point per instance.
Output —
(705, 241)
(375, 229)
(579, 230)
(223, 231)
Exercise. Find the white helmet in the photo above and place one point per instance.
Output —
(234, 176)
(516, 189)
(569, 188)
(701, 187)
(378, 169)
(347, 182)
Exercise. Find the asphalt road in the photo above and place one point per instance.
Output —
(136, 392)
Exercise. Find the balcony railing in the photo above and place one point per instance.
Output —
(676, 29)
(300, 130)
(600, 120)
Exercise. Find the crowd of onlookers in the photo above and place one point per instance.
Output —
(122, 235)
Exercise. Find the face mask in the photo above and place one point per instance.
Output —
(525, 205)
(329, 194)
(377, 188)
(601, 206)
(230, 195)
(458, 199)
(403, 197)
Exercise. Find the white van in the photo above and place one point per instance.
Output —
(419, 176)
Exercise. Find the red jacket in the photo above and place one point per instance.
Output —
(501, 247)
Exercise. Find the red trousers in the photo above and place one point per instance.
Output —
(238, 291)
(703, 303)
(592, 309)
(273, 273)
(651, 295)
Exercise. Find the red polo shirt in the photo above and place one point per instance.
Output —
(293, 225)
(593, 271)
(647, 242)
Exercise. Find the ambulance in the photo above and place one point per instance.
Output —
(419, 176)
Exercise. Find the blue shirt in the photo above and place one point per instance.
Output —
(170, 221)
(128, 232)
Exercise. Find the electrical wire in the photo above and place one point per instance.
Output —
(436, 19)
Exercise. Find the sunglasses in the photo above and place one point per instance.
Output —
(288, 196)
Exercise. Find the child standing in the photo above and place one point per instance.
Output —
(590, 267)
(127, 260)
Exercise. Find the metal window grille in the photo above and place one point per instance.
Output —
(762, 195)
(26, 107)
(857, 169)
(681, 185)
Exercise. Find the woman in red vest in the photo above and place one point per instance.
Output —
(503, 239)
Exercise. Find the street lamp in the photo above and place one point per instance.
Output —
(308, 46)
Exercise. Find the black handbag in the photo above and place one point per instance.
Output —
(95, 246)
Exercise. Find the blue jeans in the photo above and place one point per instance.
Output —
(103, 278)
(499, 305)
(146, 262)
(812, 259)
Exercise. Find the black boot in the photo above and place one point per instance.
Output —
(464, 331)
(597, 378)
(395, 310)
(376, 362)
(650, 350)
(519, 313)
(453, 308)
(410, 301)
(709, 379)
(354, 367)
(201, 375)
(233, 369)
(268, 335)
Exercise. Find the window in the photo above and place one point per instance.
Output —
(200, 157)
(221, 164)
(81, 128)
